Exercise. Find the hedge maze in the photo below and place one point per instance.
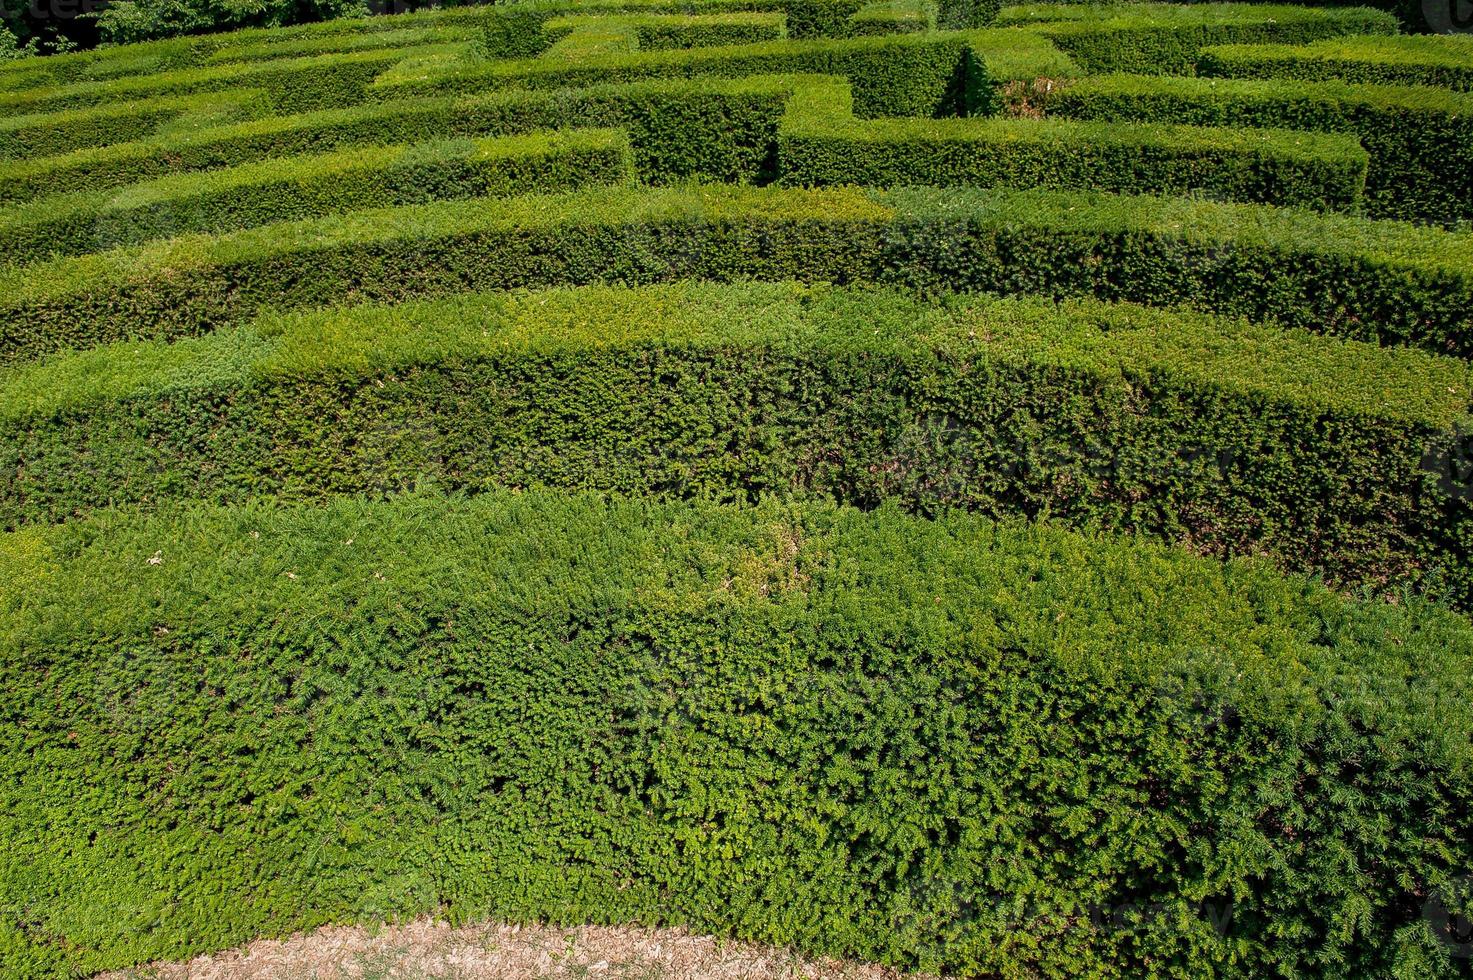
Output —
(987, 490)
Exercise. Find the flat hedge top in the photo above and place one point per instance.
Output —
(247, 43)
(630, 65)
(1296, 232)
(1085, 336)
(171, 188)
(1292, 230)
(1103, 609)
(716, 203)
(1403, 98)
(1084, 18)
(1436, 50)
(323, 121)
(176, 104)
(812, 112)
(211, 77)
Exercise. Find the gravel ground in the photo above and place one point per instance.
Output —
(430, 950)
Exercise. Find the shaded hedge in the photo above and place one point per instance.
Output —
(311, 185)
(714, 128)
(50, 133)
(343, 34)
(289, 84)
(691, 30)
(1379, 281)
(518, 27)
(1420, 139)
(821, 143)
(1332, 456)
(1160, 38)
(1425, 60)
(995, 749)
(898, 75)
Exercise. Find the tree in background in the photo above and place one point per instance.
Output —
(10, 48)
(142, 20)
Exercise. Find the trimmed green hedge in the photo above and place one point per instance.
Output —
(287, 188)
(194, 51)
(660, 31)
(821, 143)
(516, 30)
(900, 75)
(1420, 139)
(998, 750)
(721, 129)
(1237, 439)
(51, 133)
(289, 84)
(1157, 38)
(1377, 281)
(893, 17)
(1423, 60)
(450, 36)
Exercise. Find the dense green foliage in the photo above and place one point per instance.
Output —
(295, 187)
(122, 21)
(1118, 417)
(823, 144)
(992, 748)
(1420, 139)
(1445, 61)
(51, 133)
(892, 75)
(1366, 280)
(1162, 38)
(289, 84)
(712, 128)
(313, 340)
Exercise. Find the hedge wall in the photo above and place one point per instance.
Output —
(1436, 60)
(662, 31)
(273, 47)
(248, 44)
(1378, 281)
(1414, 15)
(517, 30)
(290, 84)
(900, 75)
(50, 133)
(287, 188)
(993, 749)
(1420, 139)
(1327, 455)
(721, 129)
(821, 143)
(1153, 38)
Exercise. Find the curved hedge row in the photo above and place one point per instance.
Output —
(1332, 456)
(658, 31)
(312, 185)
(1445, 61)
(891, 75)
(1379, 281)
(50, 133)
(822, 143)
(194, 51)
(949, 744)
(289, 84)
(1160, 38)
(722, 129)
(1420, 139)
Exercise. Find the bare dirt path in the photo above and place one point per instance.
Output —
(429, 950)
